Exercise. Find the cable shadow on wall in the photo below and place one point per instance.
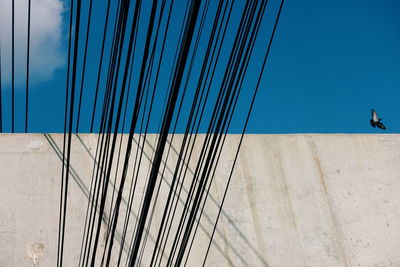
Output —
(229, 219)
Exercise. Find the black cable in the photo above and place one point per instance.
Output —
(174, 180)
(145, 55)
(240, 82)
(1, 101)
(205, 176)
(59, 243)
(207, 139)
(124, 9)
(166, 97)
(27, 67)
(155, 84)
(190, 24)
(12, 70)
(100, 65)
(84, 65)
(115, 104)
(244, 128)
(128, 210)
(147, 85)
(187, 152)
(73, 83)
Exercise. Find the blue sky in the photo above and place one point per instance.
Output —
(330, 63)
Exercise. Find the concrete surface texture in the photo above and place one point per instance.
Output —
(295, 200)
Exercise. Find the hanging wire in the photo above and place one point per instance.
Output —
(217, 87)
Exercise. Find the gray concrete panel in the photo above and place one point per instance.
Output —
(295, 200)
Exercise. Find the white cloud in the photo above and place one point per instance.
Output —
(46, 53)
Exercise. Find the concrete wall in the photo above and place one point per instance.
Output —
(295, 200)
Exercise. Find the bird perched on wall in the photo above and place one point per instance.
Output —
(375, 121)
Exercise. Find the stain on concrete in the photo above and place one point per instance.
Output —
(36, 252)
(322, 178)
(35, 144)
(287, 211)
(222, 232)
(251, 196)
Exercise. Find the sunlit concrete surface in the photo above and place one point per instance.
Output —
(295, 200)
